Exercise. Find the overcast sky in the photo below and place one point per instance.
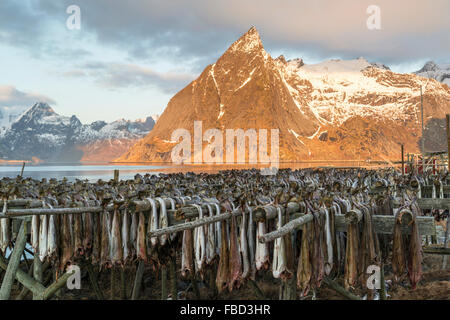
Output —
(130, 57)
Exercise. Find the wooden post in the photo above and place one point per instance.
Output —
(94, 281)
(333, 285)
(447, 118)
(113, 283)
(173, 277)
(37, 272)
(13, 264)
(23, 167)
(123, 284)
(116, 175)
(163, 283)
(138, 281)
(403, 160)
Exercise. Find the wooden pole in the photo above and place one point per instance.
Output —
(173, 277)
(55, 286)
(94, 281)
(23, 167)
(138, 280)
(333, 285)
(447, 118)
(25, 279)
(113, 283)
(123, 284)
(13, 265)
(403, 160)
(116, 175)
(37, 272)
(163, 283)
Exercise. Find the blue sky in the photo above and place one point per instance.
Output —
(130, 57)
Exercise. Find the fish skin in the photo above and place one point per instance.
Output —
(262, 249)
(304, 269)
(163, 219)
(187, 259)
(223, 271)
(351, 256)
(133, 235)
(153, 221)
(67, 244)
(97, 239)
(5, 234)
(125, 230)
(35, 232)
(88, 231)
(43, 234)
(235, 257)
(243, 247)
(211, 239)
(218, 231)
(251, 243)
(51, 239)
(141, 241)
(105, 258)
(199, 243)
(279, 268)
(78, 234)
(398, 250)
(415, 252)
(116, 249)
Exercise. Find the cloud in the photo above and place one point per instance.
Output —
(120, 75)
(198, 31)
(12, 97)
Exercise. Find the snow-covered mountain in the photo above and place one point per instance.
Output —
(336, 109)
(42, 133)
(440, 73)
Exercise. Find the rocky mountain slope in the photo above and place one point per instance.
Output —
(332, 110)
(42, 133)
(440, 73)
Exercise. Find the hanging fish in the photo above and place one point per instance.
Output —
(187, 260)
(235, 257)
(116, 249)
(218, 231)
(262, 249)
(97, 238)
(199, 243)
(243, 246)
(279, 269)
(126, 237)
(51, 239)
(304, 270)
(251, 243)
(210, 238)
(35, 232)
(105, 257)
(415, 252)
(351, 256)
(66, 244)
(43, 234)
(163, 219)
(398, 249)
(153, 221)
(223, 271)
(133, 235)
(141, 246)
(88, 231)
(78, 235)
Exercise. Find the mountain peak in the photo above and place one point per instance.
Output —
(429, 66)
(249, 41)
(41, 107)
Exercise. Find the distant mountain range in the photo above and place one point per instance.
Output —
(41, 133)
(440, 73)
(336, 110)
